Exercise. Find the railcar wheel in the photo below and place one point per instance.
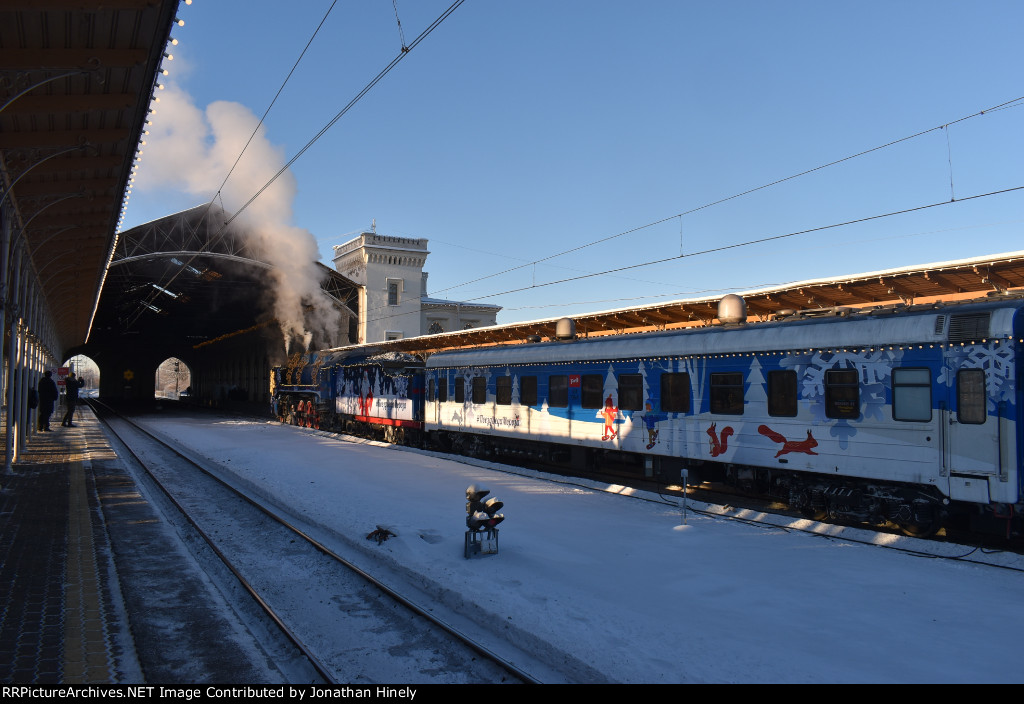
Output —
(922, 520)
(920, 530)
(814, 514)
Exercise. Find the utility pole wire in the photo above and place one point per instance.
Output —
(751, 242)
(1001, 106)
(387, 69)
(223, 226)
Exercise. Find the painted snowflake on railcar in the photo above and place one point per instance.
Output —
(995, 360)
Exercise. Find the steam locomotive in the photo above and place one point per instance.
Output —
(906, 415)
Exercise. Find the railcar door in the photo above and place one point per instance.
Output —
(431, 408)
(972, 441)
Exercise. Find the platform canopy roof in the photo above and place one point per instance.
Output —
(76, 83)
(1000, 274)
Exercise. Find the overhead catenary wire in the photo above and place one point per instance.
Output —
(276, 96)
(723, 248)
(1016, 102)
(753, 242)
(401, 34)
(359, 96)
(221, 232)
(223, 226)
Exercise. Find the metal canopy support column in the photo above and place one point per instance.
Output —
(13, 377)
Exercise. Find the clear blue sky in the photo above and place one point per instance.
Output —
(518, 130)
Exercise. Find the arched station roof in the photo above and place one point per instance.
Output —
(76, 81)
(188, 279)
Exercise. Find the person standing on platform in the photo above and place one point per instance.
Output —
(71, 387)
(47, 397)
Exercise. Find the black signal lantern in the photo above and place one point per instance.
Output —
(480, 514)
(482, 518)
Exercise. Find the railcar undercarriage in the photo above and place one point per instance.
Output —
(917, 512)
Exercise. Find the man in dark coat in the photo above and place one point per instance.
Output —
(71, 387)
(47, 397)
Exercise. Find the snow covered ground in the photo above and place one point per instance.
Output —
(616, 578)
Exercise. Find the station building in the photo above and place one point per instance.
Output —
(393, 300)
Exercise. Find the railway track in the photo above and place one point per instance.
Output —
(349, 625)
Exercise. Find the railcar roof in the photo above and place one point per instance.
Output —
(366, 355)
(858, 329)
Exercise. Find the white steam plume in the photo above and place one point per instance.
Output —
(194, 150)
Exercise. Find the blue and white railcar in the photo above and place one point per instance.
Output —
(383, 391)
(357, 389)
(898, 414)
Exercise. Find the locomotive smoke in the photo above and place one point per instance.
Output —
(193, 150)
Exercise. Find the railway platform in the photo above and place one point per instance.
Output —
(94, 587)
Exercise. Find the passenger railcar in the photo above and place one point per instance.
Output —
(360, 391)
(901, 414)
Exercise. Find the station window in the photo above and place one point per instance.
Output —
(558, 391)
(460, 390)
(912, 394)
(970, 396)
(675, 392)
(394, 290)
(479, 390)
(592, 387)
(782, 393)
(727, 393)
(503, 391)
(528, 391)
(842, 393)
(631, 392)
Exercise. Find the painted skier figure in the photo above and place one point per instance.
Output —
(609, 413)
(651, 420)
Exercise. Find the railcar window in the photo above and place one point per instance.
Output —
(442, 388)
(727, 393)
(631, 392)
(558, 391)
(842, 393)
(593, 386)
(782, 393)
(675, 392)
(503, 391)
(970, 396)
(912, 394)
(528, 391)
(460, 390)
(430, 389)
(479, 389)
